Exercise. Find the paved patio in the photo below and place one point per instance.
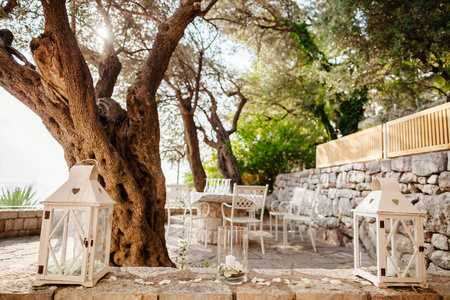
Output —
(23, 251)
(297, 263)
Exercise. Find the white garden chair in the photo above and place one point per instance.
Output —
(301, 213)
(281, 208)
(177, 198)
(217, 186)
(247, 199)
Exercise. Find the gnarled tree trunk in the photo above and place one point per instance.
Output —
(125, 143)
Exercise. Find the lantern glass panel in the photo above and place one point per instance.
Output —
(67, 242)
(101, 245)
(401, 248)
(367, 244)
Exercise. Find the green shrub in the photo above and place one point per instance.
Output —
(18, 197)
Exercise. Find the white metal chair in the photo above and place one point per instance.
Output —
(177, 198)
(301, 213)
(281, 208)
(217, 186)
(247, 199)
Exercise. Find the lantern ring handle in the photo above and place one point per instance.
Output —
(88, 159)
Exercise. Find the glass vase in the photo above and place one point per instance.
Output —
(232, 254)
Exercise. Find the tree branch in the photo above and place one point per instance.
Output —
(110, 66)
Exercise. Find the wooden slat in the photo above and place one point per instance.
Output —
(426, 131)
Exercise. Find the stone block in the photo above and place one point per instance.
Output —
(314, 179)
(364, 186)
(30, 223)
(392, 174)
(24, 232)
(18, 224)
(385, 165)
(335, 169)
(8, 214)
(401, 164)
(429, 189)
(441, 259)
(413, 198)
(252, 291)
(39, 213)
(333, 177)
(359, 166)
(341, 179)
(356, 176)
(422, 180)
(9, 233)
(326, 170)
(335, 207)
(437, 210)
(348, 193)
(440, 241)
(368, 178)
(403, 188)
(346, 168)
(444, 181)
(413, 188)
(9, 225)
(325, 178)
(325, 207)
(429, 163)
(332, 193)
(373, 167)
(347, 221)
(28, 213)
(448, 160)
(35, 232)
(2, 225)
(334, 237)
(345, 207)
(434, 179)
(408, 177)
(349, 185)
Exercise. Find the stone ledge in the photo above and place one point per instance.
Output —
(15, 283)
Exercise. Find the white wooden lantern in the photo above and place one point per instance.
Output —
(76, 231)
(396, 226)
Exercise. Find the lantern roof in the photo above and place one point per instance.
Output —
(386, 198)
(82, 187)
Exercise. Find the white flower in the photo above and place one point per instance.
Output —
(335, 281)
(306, 281)
(276, 280)
(166, 281)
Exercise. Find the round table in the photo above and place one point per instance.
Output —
(214, 219)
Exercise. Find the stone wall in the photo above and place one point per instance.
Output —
(424, 179)
(15, 222)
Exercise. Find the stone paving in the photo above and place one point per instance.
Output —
(310, 275)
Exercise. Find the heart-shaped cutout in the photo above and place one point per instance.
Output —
(75, 190)
(395, 201)
(371, 200)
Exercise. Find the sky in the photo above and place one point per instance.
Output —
(29, 154)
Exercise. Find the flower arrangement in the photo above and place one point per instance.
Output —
(235, 271)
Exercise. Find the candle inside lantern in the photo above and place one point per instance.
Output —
(230, 261)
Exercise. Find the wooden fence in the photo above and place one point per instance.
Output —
(426, 131)
(362, 146)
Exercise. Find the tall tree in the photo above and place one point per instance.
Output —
(124, 142)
